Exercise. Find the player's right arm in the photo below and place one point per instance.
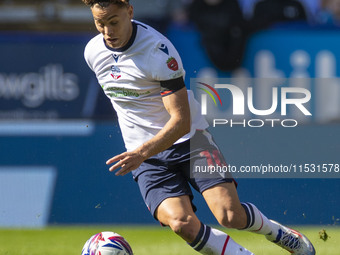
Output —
(177, 126)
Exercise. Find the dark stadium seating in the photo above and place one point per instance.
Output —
(45, 15)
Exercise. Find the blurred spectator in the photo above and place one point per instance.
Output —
(311, 8)
(247, 7)
(158, 13)
(269, 12)
(225, 25)
(223, 31)
(329, 13)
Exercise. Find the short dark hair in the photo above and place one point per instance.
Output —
(105, 3)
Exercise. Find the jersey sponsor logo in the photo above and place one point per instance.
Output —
(123, 92)
(164, 48)
(172, 64)
(115, 72)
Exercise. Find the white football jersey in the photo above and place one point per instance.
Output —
(130, 77)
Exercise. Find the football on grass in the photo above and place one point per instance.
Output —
(106, 243)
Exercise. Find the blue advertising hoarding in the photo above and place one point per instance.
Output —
(44, 76)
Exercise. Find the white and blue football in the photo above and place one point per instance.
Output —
(106, 243)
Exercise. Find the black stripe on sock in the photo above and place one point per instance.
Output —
(247, 213)
(205, 238)
(198, 237)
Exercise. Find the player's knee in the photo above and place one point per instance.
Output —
(183, 226)
(233, 219)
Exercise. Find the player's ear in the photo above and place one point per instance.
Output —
(130, 11)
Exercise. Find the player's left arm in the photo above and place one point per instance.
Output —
(177, 105)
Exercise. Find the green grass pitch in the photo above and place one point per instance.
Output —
(145, 240)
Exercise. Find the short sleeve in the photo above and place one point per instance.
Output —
(87, 54)
(165, 62)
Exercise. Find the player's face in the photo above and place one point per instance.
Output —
(114, 23)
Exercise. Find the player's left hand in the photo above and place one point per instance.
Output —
(128, 161)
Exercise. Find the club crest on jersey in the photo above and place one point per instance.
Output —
(115, 72)
(172, 64)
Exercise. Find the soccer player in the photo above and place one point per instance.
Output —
(165, 135)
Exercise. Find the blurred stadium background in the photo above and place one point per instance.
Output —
(57, 128)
